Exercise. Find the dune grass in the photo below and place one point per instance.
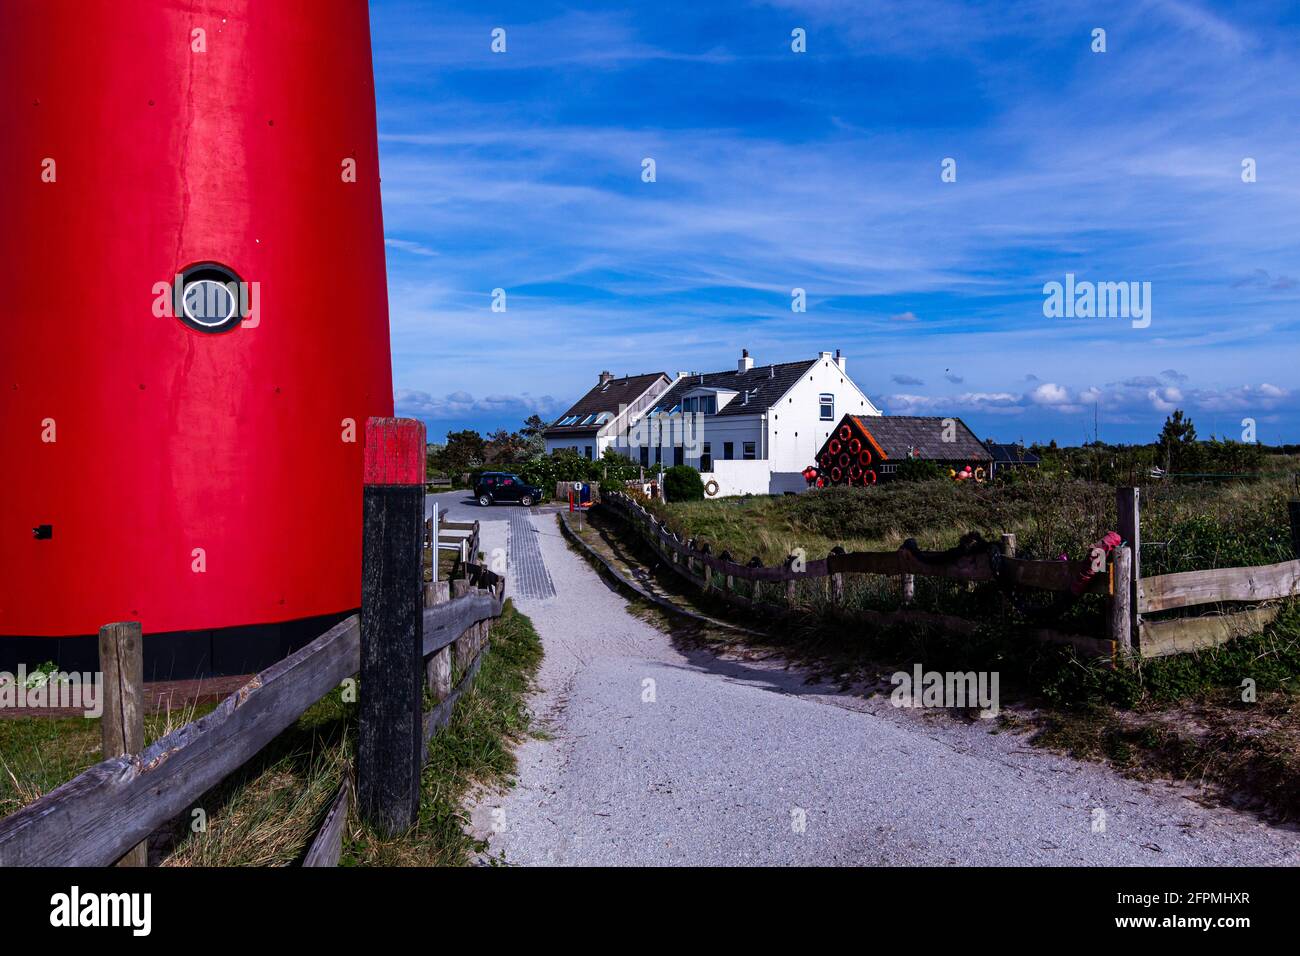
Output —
(1185, 526)
(38, 754)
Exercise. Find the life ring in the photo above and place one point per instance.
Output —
(855, 445)
(710, 487)
(845, 459)
(855, 472)
(979, 474)
(868, 477)
(836, 474)
(845, 432)
(833, 446)
(864, 457)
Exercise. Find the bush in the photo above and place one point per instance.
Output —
(918, 469)
(683, 483)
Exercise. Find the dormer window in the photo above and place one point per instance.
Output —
(704, 404)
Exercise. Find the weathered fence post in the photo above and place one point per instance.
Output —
(837, 579)
(1129, 512)
(463, 646)
(437, 669)
(433, 524)
(1120, 600)
(1008, 551)
(121, 662)
(391, 740)
(1293, 510)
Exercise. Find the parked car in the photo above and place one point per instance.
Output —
(494, 486)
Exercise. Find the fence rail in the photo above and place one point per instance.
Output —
(1116, 575)
(101, 814)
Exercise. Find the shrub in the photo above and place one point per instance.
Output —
(683, 483)
(918, 469)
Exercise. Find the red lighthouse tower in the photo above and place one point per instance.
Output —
(194, 326)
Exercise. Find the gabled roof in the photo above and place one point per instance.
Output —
(764, 385)
(1011, 454)
(898, 435)
(604, 397)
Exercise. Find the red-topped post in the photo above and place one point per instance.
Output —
(390, 744)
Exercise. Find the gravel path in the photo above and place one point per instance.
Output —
(659, 756)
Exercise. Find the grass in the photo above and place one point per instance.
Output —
(37, 754)
(267, 813)
(1184, 526)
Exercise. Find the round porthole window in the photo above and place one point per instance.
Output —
(209, 298)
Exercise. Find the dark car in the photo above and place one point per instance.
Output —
(494, 486)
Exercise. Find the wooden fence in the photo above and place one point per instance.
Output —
(408, 639)
(1116, 575)
(463, 537)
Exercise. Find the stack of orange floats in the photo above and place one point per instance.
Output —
(846, 461)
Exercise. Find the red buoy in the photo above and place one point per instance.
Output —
(195, 327)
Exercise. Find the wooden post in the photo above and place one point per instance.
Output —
(1129, 512)
(437, 666)
(1008, 551)
(463, 646)
(1293, 510)
(1120, 600)
(391, 740)
(837, 580)
(121, 661)
(434, 522)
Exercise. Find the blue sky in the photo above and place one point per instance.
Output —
(776, 170)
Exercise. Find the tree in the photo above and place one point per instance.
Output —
(503, 447)
(463, 452)
(1178, 440)
(532, 434)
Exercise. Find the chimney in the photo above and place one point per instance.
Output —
(745, 363)
(606, 378)
(839, 359)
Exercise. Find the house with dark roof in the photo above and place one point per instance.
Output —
(610, 406)
(864, 450)
(1011, 456)
(749, 430)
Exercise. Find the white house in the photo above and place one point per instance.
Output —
(751, 430)
(608, 408)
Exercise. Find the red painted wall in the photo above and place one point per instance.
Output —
(169, 439)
